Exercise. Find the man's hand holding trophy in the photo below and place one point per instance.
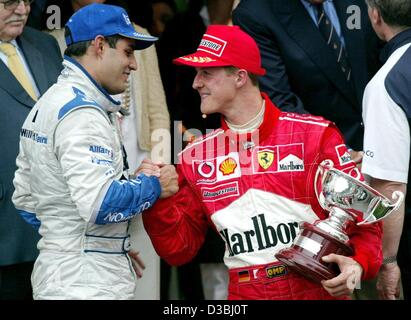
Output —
(348, 201)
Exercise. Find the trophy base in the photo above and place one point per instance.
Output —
(305, 255)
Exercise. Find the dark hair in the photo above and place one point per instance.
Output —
(394, 12)
(79, 49)
(253, 77)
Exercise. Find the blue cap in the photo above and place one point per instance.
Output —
(106, 20)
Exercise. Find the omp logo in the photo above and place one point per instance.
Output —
(275, 271)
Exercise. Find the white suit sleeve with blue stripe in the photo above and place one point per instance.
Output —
(89, 152)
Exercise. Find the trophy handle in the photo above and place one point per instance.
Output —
(382, 208)
(324, 165)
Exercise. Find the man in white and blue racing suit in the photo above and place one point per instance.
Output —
(70, 167)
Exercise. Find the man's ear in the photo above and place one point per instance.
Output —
(241, 77)
(375, 16)
(99, 45)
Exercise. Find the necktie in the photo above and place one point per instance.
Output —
(16, 67)
(331, 37)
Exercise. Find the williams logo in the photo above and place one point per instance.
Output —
(265, 158)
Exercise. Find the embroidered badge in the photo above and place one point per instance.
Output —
(265, 158)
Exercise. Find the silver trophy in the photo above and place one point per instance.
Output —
(349, 201)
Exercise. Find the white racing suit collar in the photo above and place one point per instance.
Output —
(74, 71)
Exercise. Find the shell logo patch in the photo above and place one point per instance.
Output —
(265, 158)
(228, 166)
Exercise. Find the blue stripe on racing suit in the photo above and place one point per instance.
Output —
(127, 198)
(30, 218)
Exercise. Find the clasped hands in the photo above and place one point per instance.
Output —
(166, 174)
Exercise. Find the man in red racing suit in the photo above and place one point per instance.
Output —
(255, 186)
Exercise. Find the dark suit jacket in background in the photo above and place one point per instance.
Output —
(302, 71)
(17, 238)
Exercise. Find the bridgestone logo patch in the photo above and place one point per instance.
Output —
(212, 45)
(220, 192)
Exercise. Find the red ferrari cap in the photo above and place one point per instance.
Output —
(223, 46)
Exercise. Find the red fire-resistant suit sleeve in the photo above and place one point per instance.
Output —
(177, 225)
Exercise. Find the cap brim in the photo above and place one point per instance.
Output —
(143, 41)
(200, 60)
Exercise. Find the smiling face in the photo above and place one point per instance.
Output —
(117, 65)
(217, 89)
(13, 21)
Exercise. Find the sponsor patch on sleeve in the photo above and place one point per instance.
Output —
(343, 155)
(219, 192)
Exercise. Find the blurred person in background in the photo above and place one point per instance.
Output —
(29, 64)
(386, 114)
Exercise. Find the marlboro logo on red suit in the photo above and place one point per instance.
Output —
(343, 155)
(291, 157)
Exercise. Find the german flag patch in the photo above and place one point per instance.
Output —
(243, 276)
